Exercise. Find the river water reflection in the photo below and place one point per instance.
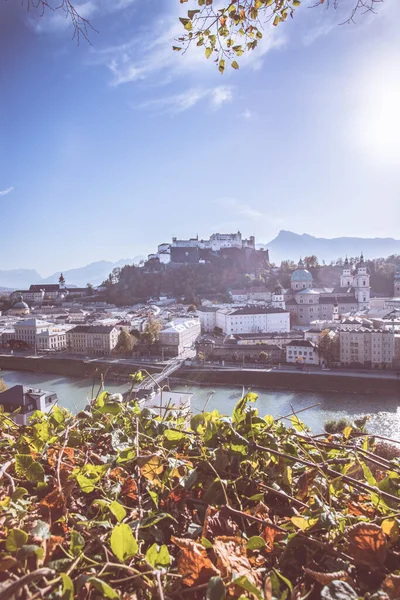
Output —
(384, 410)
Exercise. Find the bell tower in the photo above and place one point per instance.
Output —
(346, 278)
(361, 284)
(61, 282)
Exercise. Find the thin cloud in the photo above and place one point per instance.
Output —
(220, 95)
(149, 54)
(247, 114)
(7, 191)
(241, 209)
(178, 103)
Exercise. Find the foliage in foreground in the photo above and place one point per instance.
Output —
(119, 502)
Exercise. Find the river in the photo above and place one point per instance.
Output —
(384, 410)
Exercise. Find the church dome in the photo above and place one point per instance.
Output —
(20, 305)
(301, 275)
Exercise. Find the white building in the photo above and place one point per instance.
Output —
(180, 336)
(367, 347)
(302, 352)
(27, 400)
(249, 319)
(98, 340)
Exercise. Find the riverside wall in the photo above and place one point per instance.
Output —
(75, 367)
(292, 381)
(379, 383)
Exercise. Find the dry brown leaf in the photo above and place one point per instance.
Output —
(232, 557)
(367, 545)
(269, 534)
(193, 562)
(218, 522)
(391, 585)
(325, 578)
(129, 488)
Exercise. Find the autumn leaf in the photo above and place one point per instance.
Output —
(391, 586)
(129, 488)
(367, 544)
(231, 553)
(193, 562)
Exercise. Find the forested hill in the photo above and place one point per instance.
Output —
(232, 267)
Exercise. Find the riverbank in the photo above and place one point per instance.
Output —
(112, 369)
(291, 380)
(367, 382)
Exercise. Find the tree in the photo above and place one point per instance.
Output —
(263, 356)
(151, 333)
(311, 261)
(191, 308)
(225, 32)
(89, 289)
(126, 343)
(328, 346)
(3, 386)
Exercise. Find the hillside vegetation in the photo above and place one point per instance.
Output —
(119, 502)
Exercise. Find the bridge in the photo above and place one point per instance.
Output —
(152, 381)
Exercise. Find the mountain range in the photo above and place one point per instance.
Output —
(292, 246)
(95, 273)
(286, 245)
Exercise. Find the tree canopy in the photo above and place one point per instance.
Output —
(226, 30)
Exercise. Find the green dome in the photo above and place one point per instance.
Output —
(301, 275)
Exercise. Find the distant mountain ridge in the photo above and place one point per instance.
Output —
(289, 245)
(94, 273)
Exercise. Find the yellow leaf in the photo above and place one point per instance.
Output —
(346, 432)
(152, 468)
(391, 529)
(300, 522)
(235, 65)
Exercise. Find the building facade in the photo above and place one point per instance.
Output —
(179, 336)
(367, 347)
(303, 352)
(95, 340)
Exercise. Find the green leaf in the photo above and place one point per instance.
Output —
(67, 592)
(216, 589)
(255, 543)
(41, 530)
(16, 539)
(173, 435)
(284, 579)
(367, 474)
(101, 586)
(29, 549)
(123, 544)
(77, 543)
(117, 510)
(287, 477)
(57, 415)
(87, 485)
(206, 543)
(18, 493)
(245, 584)
(158, 556)
(29, 468)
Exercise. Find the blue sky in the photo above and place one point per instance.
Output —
(108, 150)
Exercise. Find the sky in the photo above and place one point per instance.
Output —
(110, 148)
